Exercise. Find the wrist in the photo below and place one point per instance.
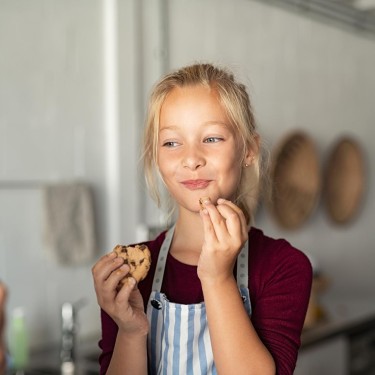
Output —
(132, 336)
(217, 281)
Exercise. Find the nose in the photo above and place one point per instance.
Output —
(193, 158)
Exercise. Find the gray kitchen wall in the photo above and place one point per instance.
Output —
(51, 130)
(55, 101)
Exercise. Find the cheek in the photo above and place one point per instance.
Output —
(230, 163)
(166, 167)
(233, 170)
(161, 162)
(236, 174)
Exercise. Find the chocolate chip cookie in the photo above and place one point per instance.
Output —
(138, 258)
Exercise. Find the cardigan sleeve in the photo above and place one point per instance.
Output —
(107, 342)
(281, 290)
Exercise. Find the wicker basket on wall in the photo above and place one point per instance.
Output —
(344, 180)
(296, 180)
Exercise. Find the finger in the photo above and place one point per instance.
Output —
(3, 294)
(208, 229)
(125, 291)
(112, 282)
(218, 221)
(223, 204)
(105, 266)
(107, 291)
(234, 207)
(233, 223)
(222, 201)
(107, 277)
(103, 260)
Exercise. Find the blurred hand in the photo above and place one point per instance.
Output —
(3, 297)
(124, 306)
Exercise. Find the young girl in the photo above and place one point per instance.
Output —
(220, 297)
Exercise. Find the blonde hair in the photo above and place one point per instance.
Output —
(235, 101)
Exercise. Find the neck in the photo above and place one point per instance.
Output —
(188, 238)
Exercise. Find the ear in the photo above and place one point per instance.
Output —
(253, 150)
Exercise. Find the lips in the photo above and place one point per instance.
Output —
(196, 184)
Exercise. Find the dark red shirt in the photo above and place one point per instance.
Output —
(280, 278)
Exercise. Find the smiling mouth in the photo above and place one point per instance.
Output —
(196, 184)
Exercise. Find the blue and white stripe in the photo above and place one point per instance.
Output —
(179, 341)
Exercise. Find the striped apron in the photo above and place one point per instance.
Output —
(179, 341)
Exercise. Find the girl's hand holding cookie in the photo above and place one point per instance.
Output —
(225, 232)
(124, 305)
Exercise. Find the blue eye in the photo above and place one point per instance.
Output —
(170, 144)
(213, 139)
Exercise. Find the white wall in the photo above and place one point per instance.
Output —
(54, 127)
(301, 73)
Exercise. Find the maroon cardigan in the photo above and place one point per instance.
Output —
(280, 278)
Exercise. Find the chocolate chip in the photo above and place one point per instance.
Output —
(124, 249)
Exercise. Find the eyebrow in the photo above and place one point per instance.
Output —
(219, 123)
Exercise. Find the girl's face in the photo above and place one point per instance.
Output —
(198, 155)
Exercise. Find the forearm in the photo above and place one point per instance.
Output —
(236, 346)
(129, 356)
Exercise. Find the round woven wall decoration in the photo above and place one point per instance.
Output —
(344, 180)
(296, 180)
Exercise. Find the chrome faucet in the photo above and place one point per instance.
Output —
(68, 336)
(67, 351)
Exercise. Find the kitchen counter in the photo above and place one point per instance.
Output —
(46, 361)
(345, 315)
(343, 342)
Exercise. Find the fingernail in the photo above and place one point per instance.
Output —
(203, 201)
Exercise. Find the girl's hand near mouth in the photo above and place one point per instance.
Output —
(225, 232)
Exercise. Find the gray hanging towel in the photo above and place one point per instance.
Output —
(69, 222)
